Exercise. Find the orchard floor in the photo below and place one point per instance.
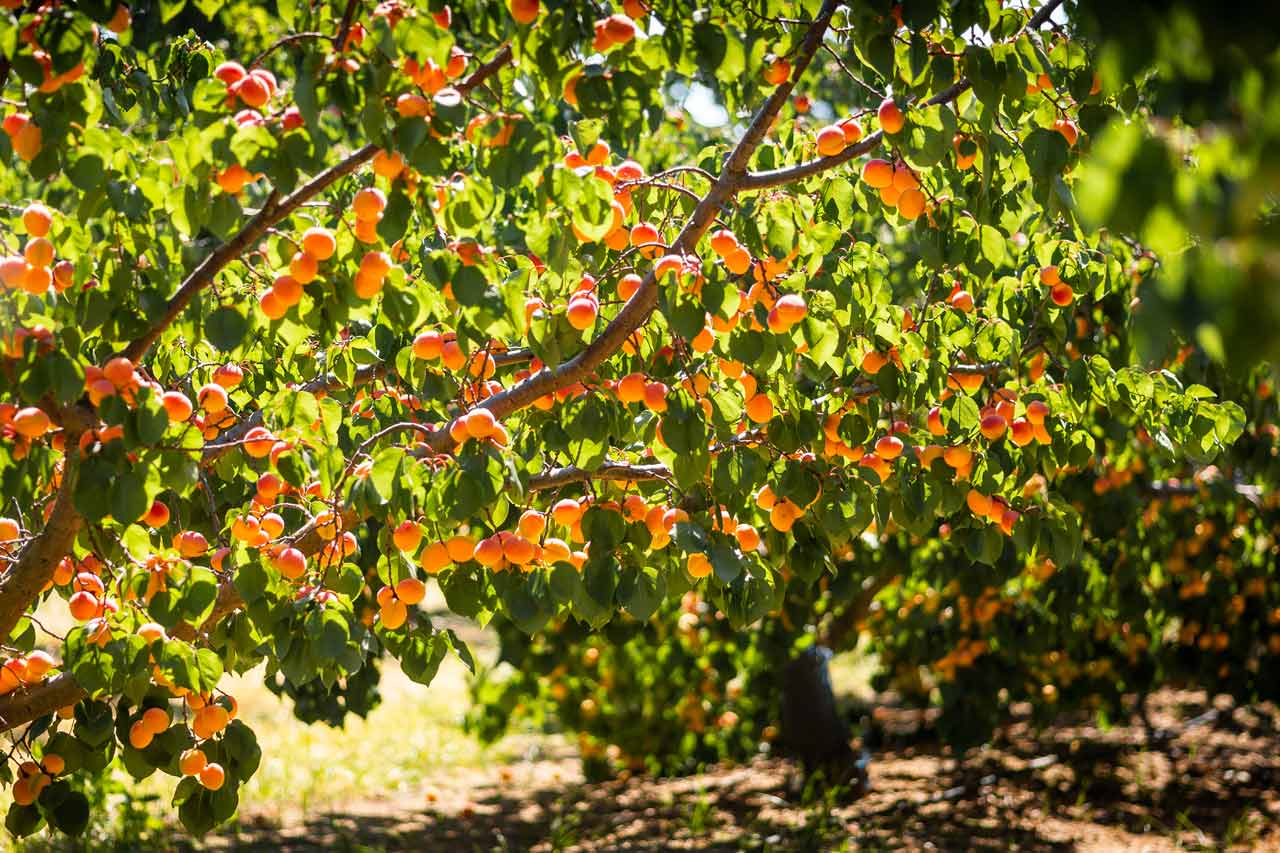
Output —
(1213, 784)
(409, 778)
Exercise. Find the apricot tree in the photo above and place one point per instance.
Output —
(304, 309)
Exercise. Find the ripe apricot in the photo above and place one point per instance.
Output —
(581, 313)
(368, 204)
(958, 456)
(979, 504)
(1037, 411)
(738, 261)
(212, 776)
(157, 515)
(407, 535)
(1068, 130)
(643, 234)
(830, 140)
(891, 118)
(851, 129)
(190, 543)
(488, 552)
(776, 71)
(993, 427)
(620, 29)
(698, 564)
(723, 242)
(84, 606)
(460, 548)
(428, 345)
(889, 447)
(480, 423)
(1022, 432)
(31, 422)
(37, 219)
(760, 408)
(631, 388)
(655, 397)
(1049, 276)
(411, 591)
(192, 761)
(319, 243)
(524, 11)
(748, 537)
(877, 173)
(1062, 294)
(291, 563)
(177, 406)
(911, 204)
(567, 512)
(628, 285)
(9, 530)
(434, 558)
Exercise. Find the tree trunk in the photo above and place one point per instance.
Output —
(813, 729)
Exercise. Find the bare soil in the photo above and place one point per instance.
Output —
(1206, 777)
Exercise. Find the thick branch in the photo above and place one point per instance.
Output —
(27, 577)
(23, 706)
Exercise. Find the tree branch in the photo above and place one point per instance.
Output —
(615, 471)
(273, 211)
(791, 174)
(637, 310)
(26, 578)
(23, 706)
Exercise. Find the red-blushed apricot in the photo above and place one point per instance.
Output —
(190, 543)
(935, 422)
(524, 11)
(368, 204)
(212, 776)
(889, 447)
(407, 535)
(877, 173)
(1021, 432)
(1062, 294)
(961, 300)
(1049, 276)
(1037, 411)
(631, 388)
(1068, 130)
(157, 515)
(993, 427)
(230, 72)
(776, 71)
(84, 606)
(581, 313)
(9, 530)
(891, 118)
(488, 552)
(655, 397)
(411, 591)
(830, 140)
(319, 243)
(177, 406)
(851, 129)
(620, 29)
(291, 563)
(31, 422)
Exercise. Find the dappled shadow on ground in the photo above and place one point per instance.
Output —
(1210, 779)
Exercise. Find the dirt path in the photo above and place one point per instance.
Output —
(1213, 783)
